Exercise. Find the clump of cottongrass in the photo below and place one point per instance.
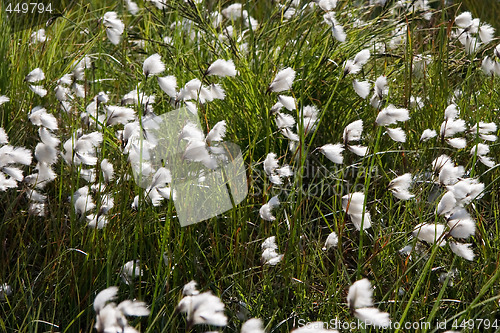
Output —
(169, 85)
(360, 302)
(485, 131)
(253, 325)
(431, 233)
(111, 317)
(354, 205)
(222, 68)
(361, 88)
(333, 152)
(270, 256)
(283, 80)
(80, 148)
(265, 211)
(201, 308)
(35, 76)
(10, 174)
(380, 92)
(274, 172)
(354, 66)
(153, 65)
(352, 133)
(481, 150)
(114, 27)
(130, 270)
(428, 134)
(331, 241)
(399, 187)
(337, 30)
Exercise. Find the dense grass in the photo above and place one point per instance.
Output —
(56, 264)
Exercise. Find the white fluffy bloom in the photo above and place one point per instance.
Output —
(114, 27)
(35, 76)
(331, 241)
(284, 120)
(254, 325)
(222, 68)
(430, 233)
(287, 101)
(107, 170)
(39, 90)
(118, 114)
(486, 33)
(396, 134)
(337, 30)
(269, 254)
(390, 115)
(428, 134)
(217, 133)
(359, 300)
(353, 131)
(265, 210)
(464, 20)
(353, 204)
(399, 187)
(361, 88)
(111, 317)
(462, 250)
(283, 80)
(153, 65)
(4, 99)
(458, 143)
(203, 308)
(130, 270)
(333, 152)
(168, 84)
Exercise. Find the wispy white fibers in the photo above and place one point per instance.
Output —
(337, 30)
(222, 68)
(130, 270)
(396, 134)
(485, 131)
(132, 7)
(361, 88)
(481, 150)
(331, 241)
(287, 101)
(464, 20)
(114, 27)
(462, 250)
(35, 76)
(327, 5)
(399, 187)
(352, 132)
(10, 175)
(360, 301)
(107, 170)
(265, 211)
(333, 152)
(270, 256)
(353, 205)
(274, 172)
(4, 99)
(428, 134)
(486, 33)
(202, 308)
(217, 133)
(283, 80)
(111, 317)
(254, 325)
(153, 65)
(391, 114)
(430, 233)
(39, 90)
(354, 66)
(380, 91)
(168, 84)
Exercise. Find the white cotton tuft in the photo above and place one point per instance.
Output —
(430, 233)
(114, 27)
(327, 5)
(217, 133)
(333, 152)
(428, 134)
(390, 115)
(103, 297)
(3, 137)
(265, 210)
(360, 294)
(361, 88)
(39, 90)
(107, 170)
(132, 7)
(462, 250)
(464, 20)
(270, 163)
(254, 325)
(358, 150)
(287, 101)
(486, 33)
(373, 317)
(396, 134)
(353, 131)
(399, 187)
(168, 84)
(118, 115)
(284, 120)
(331, 241)
(222, 68)
(153, 65)
(4, 99)
(458, 143)
(283, 80)
(35, 76)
